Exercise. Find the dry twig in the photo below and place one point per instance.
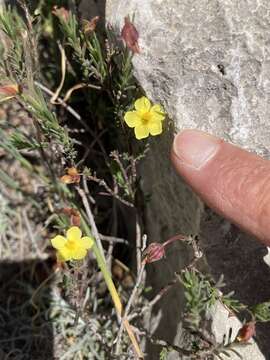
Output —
(91, 219)
(113, 239)
(63, 74)
(74, 113)
(128, 306)
(109, 190)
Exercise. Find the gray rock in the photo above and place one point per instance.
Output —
(222, 322)
(208, 63)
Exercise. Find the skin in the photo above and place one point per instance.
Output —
(233, 182)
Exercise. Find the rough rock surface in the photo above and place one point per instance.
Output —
(208, 63)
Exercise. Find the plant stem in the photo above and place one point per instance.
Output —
(114, 294)
(91, 220)
(128, 306)
(107, 277)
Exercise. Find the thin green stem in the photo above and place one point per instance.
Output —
(113, 292)
(107, 277)
(105, 272)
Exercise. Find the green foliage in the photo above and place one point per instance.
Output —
(103, 63)
(87, 49)
(261, 311)
(14, 29)
(18, 67)
(21, 142)
(48, 123)
(201, 293)
(232, 303)
(8, 181)
(70, 28)
(97, 61)
(11, 149)
(163, 354)
(11, 23)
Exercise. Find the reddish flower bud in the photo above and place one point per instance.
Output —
(130, 35)
(9, 90)
(66, 211)
(246, 332)
(74, 215)
(61, 13)
(154, 252)
(75, 218)
(90, 26)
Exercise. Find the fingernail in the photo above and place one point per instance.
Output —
(195, 148)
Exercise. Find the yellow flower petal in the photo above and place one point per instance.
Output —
(155, 127)
(87, 241)
(79, 253)
(58, 242)
(64, 254)
(132, 118)
(74, 233)
(157, 112)
(142, 104)
(141, 132)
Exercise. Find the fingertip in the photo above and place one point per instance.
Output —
(194, 148)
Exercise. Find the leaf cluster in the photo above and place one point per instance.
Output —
(201, 293)
(261, 312)
(18, 67)
(104, 62)
(13, 43)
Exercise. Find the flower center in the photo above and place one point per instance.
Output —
(146, 117)
(71, 244)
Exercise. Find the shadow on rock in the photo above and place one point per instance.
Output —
(240, 258)
(25, 332)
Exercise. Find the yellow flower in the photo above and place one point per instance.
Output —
(146, 119)
(73, 246)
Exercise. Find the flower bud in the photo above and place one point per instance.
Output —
(75, 218)
(9, 90)
(73, 214)
(90, 26)
(154, 252)
(130, 35)
(62, 13)
(246, 332)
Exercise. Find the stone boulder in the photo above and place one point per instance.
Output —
(208, 63)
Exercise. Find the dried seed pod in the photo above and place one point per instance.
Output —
(72, 176)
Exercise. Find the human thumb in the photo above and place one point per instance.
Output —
(232, 181)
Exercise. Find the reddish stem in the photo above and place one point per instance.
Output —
(174, 238)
